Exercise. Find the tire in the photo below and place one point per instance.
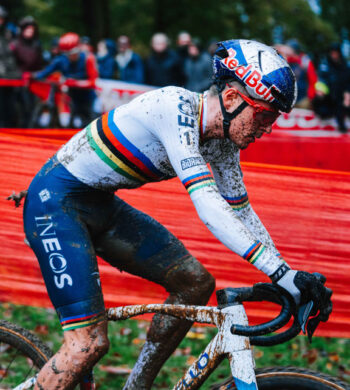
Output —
(289, 378)
(22, 355)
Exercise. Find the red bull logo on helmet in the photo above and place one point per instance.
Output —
(251, 77)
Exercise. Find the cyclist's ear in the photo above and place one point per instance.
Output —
(229, 95)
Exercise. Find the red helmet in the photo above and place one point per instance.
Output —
(69, 42)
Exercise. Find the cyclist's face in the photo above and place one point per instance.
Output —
(255, 120)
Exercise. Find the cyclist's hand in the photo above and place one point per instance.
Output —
(27, 77)
(305, 287)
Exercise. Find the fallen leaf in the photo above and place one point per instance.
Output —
(195, 335)
(42, 329)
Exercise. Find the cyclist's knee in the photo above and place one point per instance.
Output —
(190, 280)
(87, 345)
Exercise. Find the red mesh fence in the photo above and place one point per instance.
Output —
(307, 212)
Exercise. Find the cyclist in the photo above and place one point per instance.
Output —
(71, 213)
(74, 64)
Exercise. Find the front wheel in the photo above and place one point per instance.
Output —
(289, 378)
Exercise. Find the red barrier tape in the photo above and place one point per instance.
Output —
(307, 212)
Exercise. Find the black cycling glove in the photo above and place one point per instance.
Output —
(309, 294)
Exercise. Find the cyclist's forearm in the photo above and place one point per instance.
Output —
(231, 231)
(250, 219)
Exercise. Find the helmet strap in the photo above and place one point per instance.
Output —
(229, 116)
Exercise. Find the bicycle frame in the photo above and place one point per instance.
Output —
(224, 344)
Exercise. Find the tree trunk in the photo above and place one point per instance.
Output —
(96, 19)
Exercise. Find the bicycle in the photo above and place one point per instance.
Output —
(57, 94)
(233, 341)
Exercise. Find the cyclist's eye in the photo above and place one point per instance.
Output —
(266, 117)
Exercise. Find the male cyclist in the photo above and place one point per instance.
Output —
(71, 213)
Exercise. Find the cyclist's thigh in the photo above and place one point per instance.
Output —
(62, 244)
(138, 244)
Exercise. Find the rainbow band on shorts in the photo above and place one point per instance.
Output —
(254, 252)
(238, 202)
(200, 180)
(80, 321)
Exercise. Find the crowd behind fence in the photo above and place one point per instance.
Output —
(323, 87)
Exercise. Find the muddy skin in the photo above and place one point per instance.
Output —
(54, 368)
(188, 283)
(81, 349)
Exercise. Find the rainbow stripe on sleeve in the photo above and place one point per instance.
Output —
(80, 321)
(238, 202)
(118, 152)
(198, 181)
(254, 252)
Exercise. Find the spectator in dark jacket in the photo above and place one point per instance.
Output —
(198, 68)
(130, 64)
(107, 65)
(182, 43)
(8, 70)
(28, 52)
(335, 73)
(163, 66)
(27, 47)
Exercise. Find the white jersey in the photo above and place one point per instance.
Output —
(159, 135)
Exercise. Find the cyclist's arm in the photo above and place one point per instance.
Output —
(54, 66)
(229, 178)
(181, 142)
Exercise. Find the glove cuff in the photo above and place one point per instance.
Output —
(279, 273)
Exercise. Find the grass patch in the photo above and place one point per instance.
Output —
(328, 355)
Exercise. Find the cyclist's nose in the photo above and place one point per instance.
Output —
(267, 129)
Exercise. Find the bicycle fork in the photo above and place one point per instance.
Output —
(224, 344)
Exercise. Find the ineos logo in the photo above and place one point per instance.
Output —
(58, 263)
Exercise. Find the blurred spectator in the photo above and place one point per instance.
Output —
(53, 51)
(198, 68)
(29, 57)
(8, 70)
(305, 73)
(27, 47)
(212, 46)
(183, 41)
(162, 67)
(335, 75)
(75, 64)
(107, 66)
(130, 64)
(85, 45)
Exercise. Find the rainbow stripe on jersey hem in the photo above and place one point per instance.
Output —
(80, 321)
(118, 152)
(238, 202)
(254, 252)
(198, 181)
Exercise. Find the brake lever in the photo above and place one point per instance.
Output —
(311, 327)
(304, 314)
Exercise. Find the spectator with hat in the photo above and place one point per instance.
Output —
(198, 68)
(29, 57)
(107, 65)
(74, 64)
